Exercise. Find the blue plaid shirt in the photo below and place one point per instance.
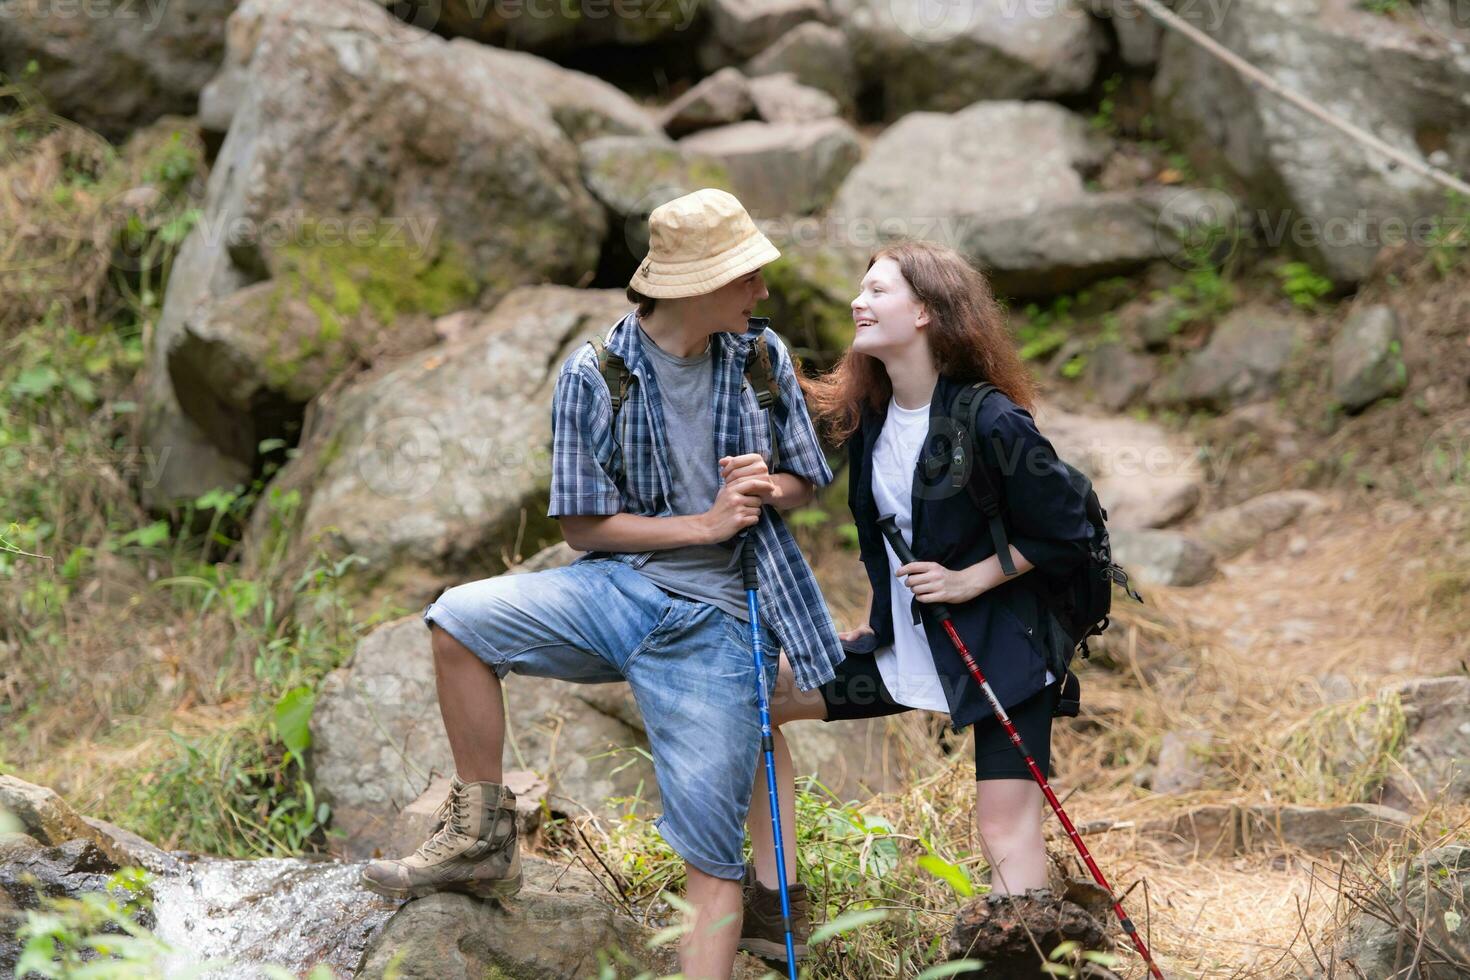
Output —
(593, 474)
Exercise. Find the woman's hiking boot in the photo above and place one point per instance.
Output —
(763, 932)
(473, 849)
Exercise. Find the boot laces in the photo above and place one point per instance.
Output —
(453, 814)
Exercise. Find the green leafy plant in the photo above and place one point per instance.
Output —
(1302, 285)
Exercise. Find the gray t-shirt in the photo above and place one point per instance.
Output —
(706, 572)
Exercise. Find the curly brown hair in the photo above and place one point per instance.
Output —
(968, 340)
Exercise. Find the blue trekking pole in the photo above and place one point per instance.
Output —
(752, 585)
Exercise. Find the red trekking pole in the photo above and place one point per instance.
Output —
(889, 526)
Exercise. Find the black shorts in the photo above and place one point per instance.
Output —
(858, 692)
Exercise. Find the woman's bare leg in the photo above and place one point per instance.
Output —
(1008, 819)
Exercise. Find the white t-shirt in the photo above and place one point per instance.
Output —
(907, 667)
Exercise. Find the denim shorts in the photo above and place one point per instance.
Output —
(690, 666)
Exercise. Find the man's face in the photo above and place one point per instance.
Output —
(728, 308)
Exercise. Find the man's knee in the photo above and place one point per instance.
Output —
(446, 648)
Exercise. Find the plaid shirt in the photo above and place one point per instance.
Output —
(593, 474)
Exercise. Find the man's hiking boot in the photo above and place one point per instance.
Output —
(473, 849)
(763, 933)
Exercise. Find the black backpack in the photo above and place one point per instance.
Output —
(1082, 604)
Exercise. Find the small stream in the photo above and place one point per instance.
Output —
(286, 912)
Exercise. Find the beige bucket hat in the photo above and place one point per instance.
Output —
(698, 243)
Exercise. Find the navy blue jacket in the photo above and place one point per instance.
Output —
(1007, 629)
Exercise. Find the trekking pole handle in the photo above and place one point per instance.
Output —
(751, 580)
(888, 524)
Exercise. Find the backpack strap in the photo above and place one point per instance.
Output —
(976, 478)
(614, 371)
(762, 380)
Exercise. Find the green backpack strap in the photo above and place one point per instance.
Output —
(615, 372)
(762, 380)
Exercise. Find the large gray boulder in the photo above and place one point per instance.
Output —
(429, 470)
(117, 66)
(944, 56)
(1247, 354)
(560, 925)
(1322, 194)
(378, 739)
(781, 168)
(1144, 476)
(819, 55)
(363, 180)
(1036, 230)
(742, 28)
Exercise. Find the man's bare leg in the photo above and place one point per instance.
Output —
(472, 706)
(708, 950)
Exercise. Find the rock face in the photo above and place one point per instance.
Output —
(1144, 476)
(1432, 902)
(1243, 362)
(741, 28)
(716, 100)
(781, 168)
(116, 72)
(1036, 230)
(351, 196)
(427, 469)
(1367, 358)
(945, 56)
(632, 175)
(1322, 194)
(1435, 760)
(377, 737)
(818, 55)
(559, 926)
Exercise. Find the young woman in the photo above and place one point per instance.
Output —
(927, 325)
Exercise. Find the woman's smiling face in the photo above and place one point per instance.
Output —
(885, 313)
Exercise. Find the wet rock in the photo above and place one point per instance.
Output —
(1163, 557)
(1367, 358)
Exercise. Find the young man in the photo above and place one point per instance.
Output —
(657, 493)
